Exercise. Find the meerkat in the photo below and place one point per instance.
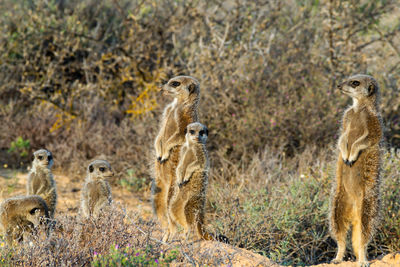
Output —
(176, 116)
(41, 181)
(20, 215)
(188, 202)
(355, 199)
(96, 192)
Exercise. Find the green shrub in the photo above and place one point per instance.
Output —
(129, 256)
(20, 146)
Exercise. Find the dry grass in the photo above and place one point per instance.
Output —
(80, 79)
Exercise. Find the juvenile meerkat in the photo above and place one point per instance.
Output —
(355, 200)
(188, 202)
(41, 181)
(176, 116)
(96, 192)
(20, 215)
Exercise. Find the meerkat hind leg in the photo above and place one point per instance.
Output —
(160, 199)
(359, 243)
(177, 212)
(342, 226)
(195, 216)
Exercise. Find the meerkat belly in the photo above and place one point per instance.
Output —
(95, 191)
(354, 133)
(354, 180)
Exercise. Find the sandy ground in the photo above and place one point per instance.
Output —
(13, 183)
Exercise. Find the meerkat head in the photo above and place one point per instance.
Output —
(196, 133)
(42, 158)
(360, 87)
(182, 87)
(100, 169)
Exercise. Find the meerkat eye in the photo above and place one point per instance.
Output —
(102, 169)
(40, 157)
(175, 84)
(354, 84)
(33, 211)
(191, 131)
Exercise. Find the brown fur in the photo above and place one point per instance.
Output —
(187, 204)
(41, 181)
(96, 192)
(176, 116)
(355, 199)
(20, 215)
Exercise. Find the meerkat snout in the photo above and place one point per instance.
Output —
(42, 158)
(196, 133)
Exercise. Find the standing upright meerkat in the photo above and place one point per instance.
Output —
(20, 215)
(355, 199)
(187, 206)
(176, 117)
(41, 181)
(96, 192)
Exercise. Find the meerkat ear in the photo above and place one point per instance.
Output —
(192, 88)
(206, 131)
(91, 169)
(185, 130)
(371, 89)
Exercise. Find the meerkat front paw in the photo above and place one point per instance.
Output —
(352, 159)
(182, 183)
(164, 156)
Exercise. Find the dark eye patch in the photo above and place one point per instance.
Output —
(191, 131)
(32, 211)
(175, 84)
(354, 84)
(40, 157)
(102, 169)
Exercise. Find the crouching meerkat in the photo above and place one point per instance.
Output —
(21, 215)
(41, 181)
(355, 198)
(188, 202)
(176, 116)
(96, 192)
